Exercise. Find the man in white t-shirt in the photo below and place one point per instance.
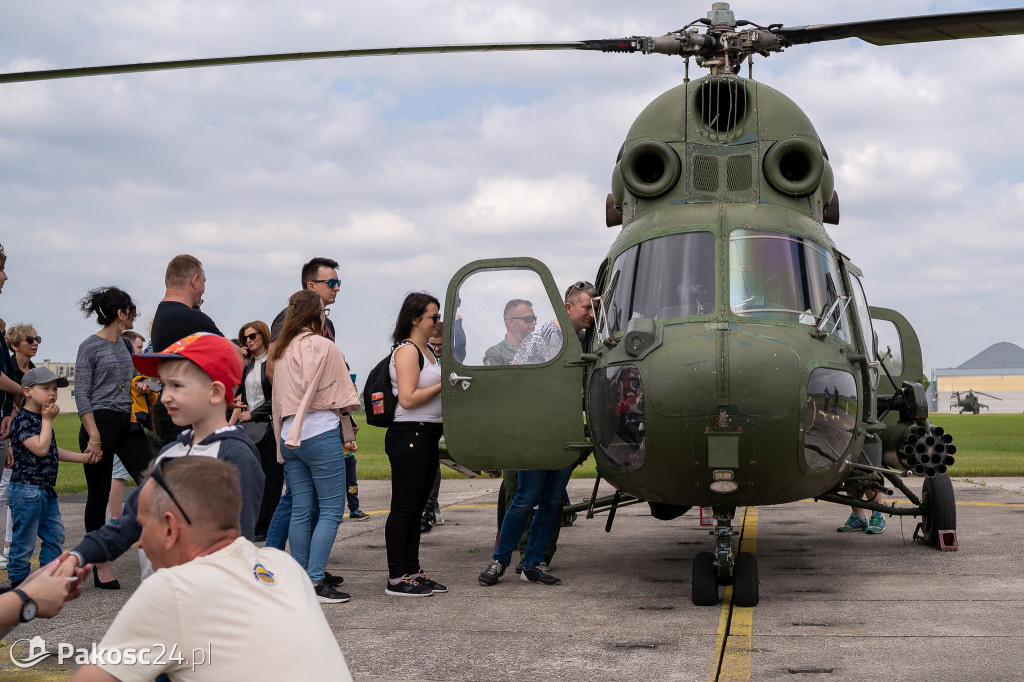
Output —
(218, 607)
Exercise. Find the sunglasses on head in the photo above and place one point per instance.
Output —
(331, 283)
(157, 475)
(251, 337)
(528, 319)
(34, 339)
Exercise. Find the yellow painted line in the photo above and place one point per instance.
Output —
(959, 504)
(451, 506)
(735, 623)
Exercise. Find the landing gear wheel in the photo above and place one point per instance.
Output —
(939, 508)
(705, 581)
(744, 580)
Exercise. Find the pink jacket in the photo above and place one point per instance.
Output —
(311, 375)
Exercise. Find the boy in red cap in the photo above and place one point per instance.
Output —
(199, 374)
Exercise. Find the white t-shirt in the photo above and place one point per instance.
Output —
(430, 375)
(240, 613)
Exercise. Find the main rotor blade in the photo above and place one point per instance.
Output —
(611, 45)
(922, 29)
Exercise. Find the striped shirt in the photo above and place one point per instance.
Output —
(103, 376)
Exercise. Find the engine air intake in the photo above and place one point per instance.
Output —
(722, 103)
(650, 168)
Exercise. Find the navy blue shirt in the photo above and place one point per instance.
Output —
(28, 468)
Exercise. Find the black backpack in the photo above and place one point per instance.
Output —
(379, 400)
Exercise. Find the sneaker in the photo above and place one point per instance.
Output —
(854, 523)
(434, 586)
(519, 568)
(569, 519)
(876, 524)
(333, 580)
(358, 515)
(7, 550)
(439, 519)
(427, 523)
(490, 576)
(538, 574)
(325, 594)
(3, 562)
(408, 587)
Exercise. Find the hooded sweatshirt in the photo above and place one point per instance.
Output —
(228, 444)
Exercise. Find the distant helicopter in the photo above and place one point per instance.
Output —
(735, 360)
(969, 402)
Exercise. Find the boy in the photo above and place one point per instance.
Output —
(32, 498)
(199, 374)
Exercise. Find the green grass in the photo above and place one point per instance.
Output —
(987, 445)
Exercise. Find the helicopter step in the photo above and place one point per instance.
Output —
(724, 567)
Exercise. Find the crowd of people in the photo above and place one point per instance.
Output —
(257, 444)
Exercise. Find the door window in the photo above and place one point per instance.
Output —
(496, 309)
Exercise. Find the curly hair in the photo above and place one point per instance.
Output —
(106, 303)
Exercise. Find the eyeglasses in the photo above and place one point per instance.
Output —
(251, 337)
(582, 285)
(331, 283)
(34, 339)
(157, 475)
(436, 317)
(528, 319)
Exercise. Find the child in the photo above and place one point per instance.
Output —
(199, 374)
(33, 500)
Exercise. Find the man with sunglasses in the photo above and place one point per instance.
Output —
(541, 487)
(216, 597)
(321, 276)
(519, 323)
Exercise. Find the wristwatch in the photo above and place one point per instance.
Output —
(28, 607)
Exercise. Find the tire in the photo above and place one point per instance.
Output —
(939, 508)
(704, 590)
(744, 580)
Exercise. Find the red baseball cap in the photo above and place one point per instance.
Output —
(214, 354)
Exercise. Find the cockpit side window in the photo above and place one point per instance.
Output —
(665, 277)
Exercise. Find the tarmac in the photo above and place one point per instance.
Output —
(833, 606)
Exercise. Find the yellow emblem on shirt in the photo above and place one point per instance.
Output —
(263, 574)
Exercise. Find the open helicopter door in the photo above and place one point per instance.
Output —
(499, 415)
(899, 349)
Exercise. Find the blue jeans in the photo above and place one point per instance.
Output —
(35, 512)
(316, 476)
(277, 531)
(540, 487)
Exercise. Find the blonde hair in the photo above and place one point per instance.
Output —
(17, 334)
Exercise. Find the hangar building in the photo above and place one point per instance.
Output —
(998, 371)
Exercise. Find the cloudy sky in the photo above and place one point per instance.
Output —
(406, 168)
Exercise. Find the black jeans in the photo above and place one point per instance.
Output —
(412, 449)
(273, 474)
(118, 439)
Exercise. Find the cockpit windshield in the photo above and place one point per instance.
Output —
(670, 276)
(785, 277)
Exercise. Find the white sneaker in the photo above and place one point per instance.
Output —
(7, 550)
(3, 562)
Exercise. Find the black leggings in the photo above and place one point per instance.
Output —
(413, 452)
(118, 439)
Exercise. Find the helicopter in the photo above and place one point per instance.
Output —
(735, 360)
(969, 402)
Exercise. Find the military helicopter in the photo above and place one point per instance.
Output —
(735, 360)
(969, 402)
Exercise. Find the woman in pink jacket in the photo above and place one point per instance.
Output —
(311, 388)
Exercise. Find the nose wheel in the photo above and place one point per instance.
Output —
(724, 567)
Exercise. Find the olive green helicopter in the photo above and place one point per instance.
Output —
(735, 360)
(969, 402)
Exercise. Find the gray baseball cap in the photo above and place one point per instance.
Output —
(42, 375)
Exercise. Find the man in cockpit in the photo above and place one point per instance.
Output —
(519, 323)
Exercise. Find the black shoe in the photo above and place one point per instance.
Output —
(325, 594)
(109, 585)
(427, 523)
(490, 576)
(358, 515)
(519, 568)
(15, 583)
(434, 586)
(539, 574)
(569, 519)
(408, 587)
(333, 580)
